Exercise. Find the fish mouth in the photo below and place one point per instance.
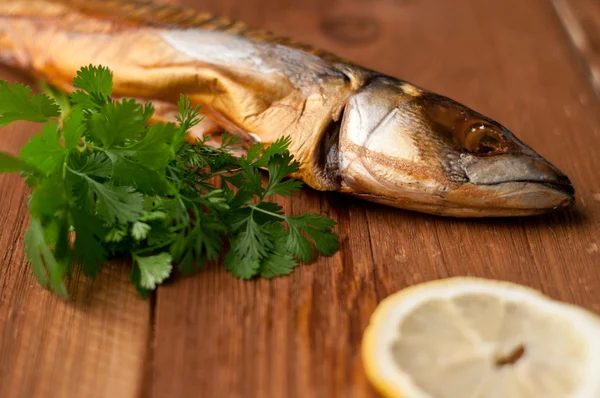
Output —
(565, 187)
(512, 186)
(527, 196)
(522, 182)
(542, 185)
(560, 188)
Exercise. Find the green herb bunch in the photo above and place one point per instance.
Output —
(106, 182)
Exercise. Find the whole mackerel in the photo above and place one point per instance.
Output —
(353, 130)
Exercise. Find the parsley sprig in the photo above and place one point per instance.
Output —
(106, 182)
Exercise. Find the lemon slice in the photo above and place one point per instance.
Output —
(478, 338)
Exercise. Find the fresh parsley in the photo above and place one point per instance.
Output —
(106, 182)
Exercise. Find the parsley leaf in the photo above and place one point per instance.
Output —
(118, 204)
(10, 163)
(43, 262)
(279, 147)
(44, 151)
(73, 128)
(298, 245)
(276, 264)
(59, 97)
(279, 261)
(17, 103)
(89, 102)
(89, 250)
(96, 164)
(94, 79)
(48, 198)
(153, 269)
(319, 228)
(108, 183)
(119, 121)
(131, 173)
(253, 242)
(153, 151)
(199, 243)
(281, 165)
(140, 230)
(187, 118)
(241, 267)
(116, 234)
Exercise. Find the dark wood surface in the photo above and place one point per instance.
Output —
(211, 335)
(96, 345)
(581, 20)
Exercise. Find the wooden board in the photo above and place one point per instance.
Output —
(299, 336)
(93, 346)
(581, 20)
(211, 335)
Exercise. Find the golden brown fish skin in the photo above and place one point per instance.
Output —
(353, 130)
(59, 37)
(424, 152)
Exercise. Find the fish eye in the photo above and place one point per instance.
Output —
(484, 139)
(469, 129)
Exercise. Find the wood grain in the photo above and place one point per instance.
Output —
(299, 336)
(92, 346)
(581, 20)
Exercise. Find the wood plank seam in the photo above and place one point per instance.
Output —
(148, 364)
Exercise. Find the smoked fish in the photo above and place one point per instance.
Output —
(353, 130)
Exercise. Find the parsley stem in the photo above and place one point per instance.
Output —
(152, 248)
(97, 148)
(65, 166)
(268, 212)
(222, 172)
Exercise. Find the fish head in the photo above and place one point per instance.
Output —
(409, 148)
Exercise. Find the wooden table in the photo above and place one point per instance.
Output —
(211, 335)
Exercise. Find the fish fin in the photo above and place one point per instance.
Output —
(147, 13)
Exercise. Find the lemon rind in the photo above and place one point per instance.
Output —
(371, 335)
